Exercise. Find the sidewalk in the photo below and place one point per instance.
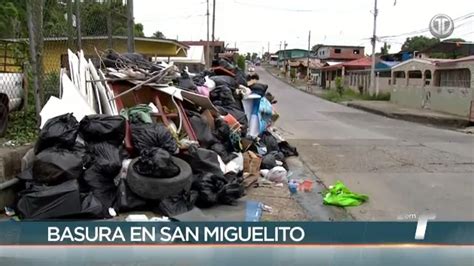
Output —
(389, 109)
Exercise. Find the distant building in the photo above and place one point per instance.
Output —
(215, 47)
(339, 52)
(330, 72)
(55, 48)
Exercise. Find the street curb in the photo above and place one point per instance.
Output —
(442, 122)
(312, 202)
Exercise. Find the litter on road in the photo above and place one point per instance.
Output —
(128, 134)
(340, 195)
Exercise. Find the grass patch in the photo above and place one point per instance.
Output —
(350, 95)
(22, 127)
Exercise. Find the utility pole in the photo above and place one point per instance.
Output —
(374, 42)
(70, 29)
(131, 26)
(78, 24)
(307, 62)
(207, 43)
(109, 24)
(213, 20)
(285, 57)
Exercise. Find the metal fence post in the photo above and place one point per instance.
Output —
(34, 10)
(131, 26)
(78, 24)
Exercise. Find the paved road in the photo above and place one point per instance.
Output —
(406, 168)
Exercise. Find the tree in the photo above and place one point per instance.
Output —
(138, 30)
(418, 43)
(248, 57)
(385, 48)
(159, 35)
(254, 56)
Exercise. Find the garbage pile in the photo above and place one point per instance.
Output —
(129, 134)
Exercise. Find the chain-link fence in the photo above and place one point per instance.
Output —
(91, 26)
(35, 36)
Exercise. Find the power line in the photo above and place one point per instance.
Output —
(461, 18)
(273, 7)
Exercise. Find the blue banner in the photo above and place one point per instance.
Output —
(223, 233)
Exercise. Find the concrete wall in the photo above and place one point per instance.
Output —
(452, 100)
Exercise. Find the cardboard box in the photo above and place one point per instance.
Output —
(252, 163)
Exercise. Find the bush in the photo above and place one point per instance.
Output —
(339, 86)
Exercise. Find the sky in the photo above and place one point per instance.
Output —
(256, 25)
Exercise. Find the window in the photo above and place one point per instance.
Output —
(427, 77)
(356, 51)
(337, 51)
(414, 78)
(453, 78)
(398, 75)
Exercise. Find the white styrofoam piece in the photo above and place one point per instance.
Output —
(71, 102)
(81, 82)
(73, 66)
(110, 93)
(95, 76)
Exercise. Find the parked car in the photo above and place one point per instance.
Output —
(11, 81)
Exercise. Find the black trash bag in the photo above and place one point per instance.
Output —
(102, 187)
(201, 129)
(54, 165)
(222, 96)
(103, 162)
(47, 202)
(237, 113)
(240, 77)
(178, 204)
(103, 128)
(105, 157)
(269, 160)
(208, 185)
(222, 80)
(126, 199)
(203, 161)
(59, 131)
(156, 162)
(91, 206)
(259, 88)
(225, 63)
(230, 192)
(253, 76)
(185, 82)
(145, 136)
(221, 150)
(269, 141)
(287, 149)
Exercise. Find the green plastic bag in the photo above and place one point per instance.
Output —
(138, 113)
(340, 195)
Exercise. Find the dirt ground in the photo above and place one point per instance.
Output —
(284, 206)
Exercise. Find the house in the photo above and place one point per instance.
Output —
(55, 48)
(443, 85)
(339, 53)
(273, 59)
(215, 47)
(331, 72)
(301, 65)
(195, 59)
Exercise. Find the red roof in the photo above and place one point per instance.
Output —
(361, 63)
